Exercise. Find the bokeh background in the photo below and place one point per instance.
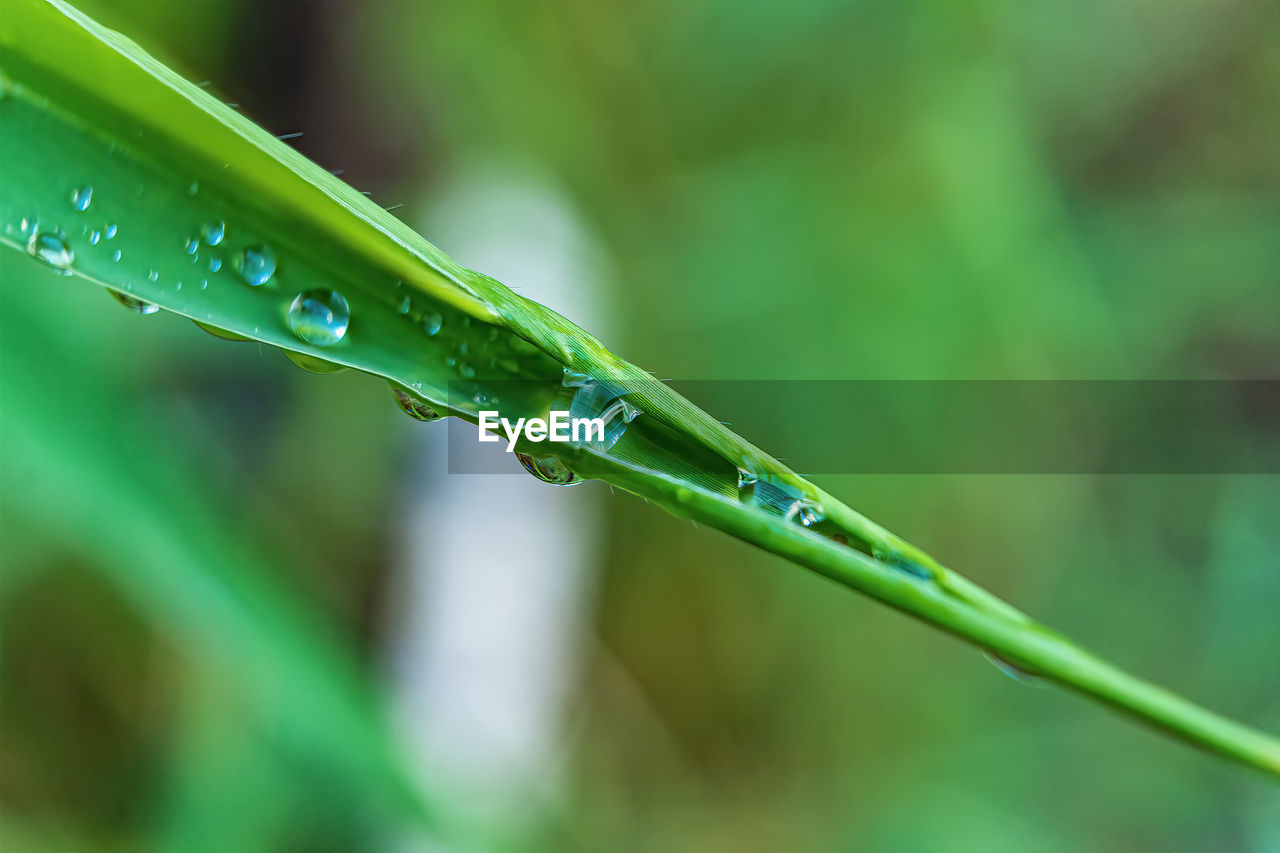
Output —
(257, 615)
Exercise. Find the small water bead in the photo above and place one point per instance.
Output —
(116, 257)
(95, 237)
(414, 407)
(403, 304)
(138, 306)
(109, 232)
(192, 246)
(214, 233)
(311, 364)
(466, 371)
(50, 247)
(215, 264)
(221, 333)
(82, 198)
(256, 265)
(1015, 672)
(153, 276)
(548, 469)
(319, 317)
(432, 323)
(193, 188)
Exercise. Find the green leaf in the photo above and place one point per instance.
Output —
(168, 166)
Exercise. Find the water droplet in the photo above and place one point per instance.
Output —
(95, 237)
(215, 264)
(51, 247)
(204, 283)
(138, 306)
(806, 512)
(116, 257)
(1012, 670)
(256, 265)
(548, 469)
(319, 317)
(192, 246)
(432, 323)
(466, 371)
(415, 407)
(311, 364)
(746, 479)
(153, 276)
(403, 304)
(178, 286)
(214, 232)
(588, 397)
(109, 232)
(221, 333)
(81, 198)
(27, 224)
(193, 188)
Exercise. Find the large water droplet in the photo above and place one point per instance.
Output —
(256, 265)
(588, 397)
(82, 198)
(214, 232)
(319, 317)
(415, 407)
(51, 247)
(548, 469)
(134, 304)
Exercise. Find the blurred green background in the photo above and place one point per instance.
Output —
(206, 641)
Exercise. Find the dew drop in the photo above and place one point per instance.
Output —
(51, 248)
(806, 512)
(116, 257)
(214, 233)
(466, 371)
(403, 304)
(81, 198)
(221, 333)
(110, 231)
(192, 246)
(193, 188)
(153, 276)
(588, 397)
(415, 407)
(215, 264)
(95, 237)
(432, 323)
(311, 364)
(256, 265)
(548, 469)
(138, 306)
(1015, 672)
(319, 317)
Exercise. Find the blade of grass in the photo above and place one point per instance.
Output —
(82, 107)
